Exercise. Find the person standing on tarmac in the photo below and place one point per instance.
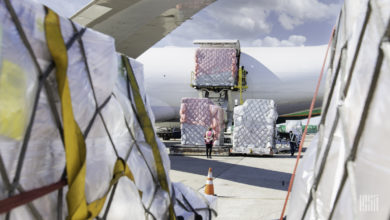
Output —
(209, 140)
(293, 143)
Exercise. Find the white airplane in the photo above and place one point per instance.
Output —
(287, 75)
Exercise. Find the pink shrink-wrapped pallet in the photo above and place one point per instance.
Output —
(196, 116)
(215, 67)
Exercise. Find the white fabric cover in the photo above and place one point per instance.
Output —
(203, 204)
(365, 192)
(45, 159)
(254, 126)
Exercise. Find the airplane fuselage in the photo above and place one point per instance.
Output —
(287, 75)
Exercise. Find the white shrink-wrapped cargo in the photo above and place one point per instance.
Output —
(254, 127)
(196, 116)
(282, 145)
(347, 175)
(215, 67)
(296, 127)
(76, 132)
(191, 204)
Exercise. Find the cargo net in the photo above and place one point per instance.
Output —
(254, 127)
(215, 67)
(346, 167)
(197, 115)
(76, 132)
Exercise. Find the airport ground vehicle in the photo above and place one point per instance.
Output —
(169, 133)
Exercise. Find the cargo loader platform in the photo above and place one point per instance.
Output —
(198, 150)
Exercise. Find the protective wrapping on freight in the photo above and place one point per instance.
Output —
(350, 168)
(282, 145)
(304, 177)
(215, 67)
(296, 127)
(254, 127)
(196, 116)
(70, 113)
(201, 204)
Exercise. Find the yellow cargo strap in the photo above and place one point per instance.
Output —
(120, 169)
(75, 148)
(148, 131)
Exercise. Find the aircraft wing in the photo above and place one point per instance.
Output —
(137, 25)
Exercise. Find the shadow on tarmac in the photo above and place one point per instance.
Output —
(280, 155)
(238, 173)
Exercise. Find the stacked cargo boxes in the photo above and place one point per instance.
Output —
(215, 67)
(196, 116)
(74, 112)
(254, 127)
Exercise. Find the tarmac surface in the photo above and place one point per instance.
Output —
(247, 187)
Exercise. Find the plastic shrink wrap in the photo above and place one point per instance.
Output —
(201, 204)
(282, 145)
(254, 127)
(350, 168)
(296, 127)
(196, 116)
(100, 93)
(215, 67)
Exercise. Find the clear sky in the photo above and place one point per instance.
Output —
(267, 23)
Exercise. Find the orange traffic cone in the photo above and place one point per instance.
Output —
(209, 189)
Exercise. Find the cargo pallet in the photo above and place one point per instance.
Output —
(198, 150)
(223, 95)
